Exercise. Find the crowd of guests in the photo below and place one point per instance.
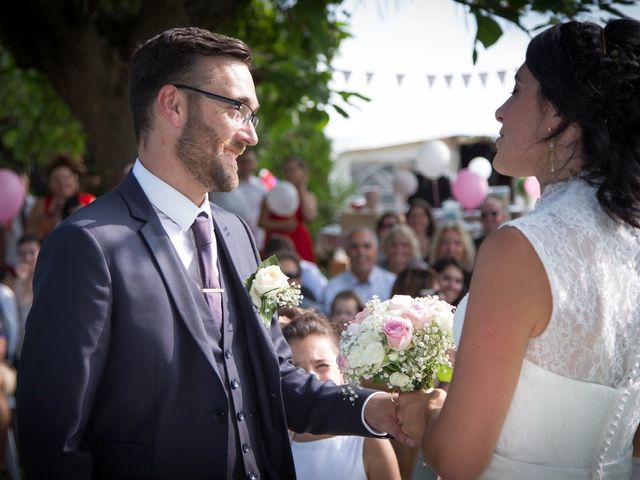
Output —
(406, 253)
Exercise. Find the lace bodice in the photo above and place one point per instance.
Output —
(593, 266)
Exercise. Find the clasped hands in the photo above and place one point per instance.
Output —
(403, 416)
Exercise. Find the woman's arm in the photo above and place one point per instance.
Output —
(510, 302)
(309, 204)
(380, 462)
(273, 225)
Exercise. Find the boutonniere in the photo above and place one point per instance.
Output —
(269, 289)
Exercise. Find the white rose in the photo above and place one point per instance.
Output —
(399, 302)
(399, 379)
(445, 320)
(373, 354)
(355, 356)
(353, 329)
(267, 279)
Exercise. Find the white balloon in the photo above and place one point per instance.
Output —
(481, 166)
(433, 159)
(405, 183)
(283, 199)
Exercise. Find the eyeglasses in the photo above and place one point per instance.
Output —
(245, 112)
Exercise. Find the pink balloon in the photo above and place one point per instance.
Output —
(532, 187)
(11, 194)
(469, 188)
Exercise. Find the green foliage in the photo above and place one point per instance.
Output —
(292, 78)
(486, 11)
(35, 124)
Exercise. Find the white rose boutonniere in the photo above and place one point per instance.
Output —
(269, 289)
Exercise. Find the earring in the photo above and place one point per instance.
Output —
(552, 156)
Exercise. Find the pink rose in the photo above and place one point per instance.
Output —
(343, 363)
(362, 315)
(419, 315)
(398, 331)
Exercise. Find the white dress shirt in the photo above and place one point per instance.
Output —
(177, 213)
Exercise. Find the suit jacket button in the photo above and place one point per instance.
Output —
(234, 384)
(245, 448)
(227, 353)
(240, 416)
(219, 416)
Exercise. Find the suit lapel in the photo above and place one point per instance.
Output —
(257, 335)
(179, 286)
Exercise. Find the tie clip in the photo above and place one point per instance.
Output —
(212, 290)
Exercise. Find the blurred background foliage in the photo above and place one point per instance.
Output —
(64, 65)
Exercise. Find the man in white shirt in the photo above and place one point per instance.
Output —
(364, 276)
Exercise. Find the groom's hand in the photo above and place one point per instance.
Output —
(381, 415)
(415, 409)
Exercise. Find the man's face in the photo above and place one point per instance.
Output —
(213, 136)
(362, 252)
(491, 215)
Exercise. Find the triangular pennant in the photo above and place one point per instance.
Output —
(347, 75)
(465, 78)
(448, 78)
(483, 78)
(399, 78)
(501, 74)
(369, 77)
(431, 79)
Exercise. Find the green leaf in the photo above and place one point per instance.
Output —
(488, 30)
(444, 373)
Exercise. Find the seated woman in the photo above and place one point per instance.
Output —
(401, 249)
(453, 240)
(314, 347)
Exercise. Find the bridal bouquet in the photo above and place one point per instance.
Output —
(401, 342)
(269, 289)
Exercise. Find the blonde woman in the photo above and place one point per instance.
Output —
(453, 240)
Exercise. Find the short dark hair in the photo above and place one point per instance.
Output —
(347, 295)
(174, 56)
(62, 161)
(414, 282)
(309, 322)
(592, 77)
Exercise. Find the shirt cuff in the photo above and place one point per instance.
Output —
(366, 425)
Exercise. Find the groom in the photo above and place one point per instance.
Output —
(144, 356)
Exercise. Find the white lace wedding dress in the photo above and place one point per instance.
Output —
(577, 403)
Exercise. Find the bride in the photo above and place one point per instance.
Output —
(547, 376)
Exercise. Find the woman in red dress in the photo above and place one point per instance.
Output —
(295, 226)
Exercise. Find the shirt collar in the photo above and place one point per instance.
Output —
(168, 200)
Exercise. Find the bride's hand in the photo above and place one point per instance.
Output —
(415, 408)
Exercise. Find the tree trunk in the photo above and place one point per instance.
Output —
(84, 48)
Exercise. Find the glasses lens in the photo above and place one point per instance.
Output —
(247, 115)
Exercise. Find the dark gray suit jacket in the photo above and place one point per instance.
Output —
(117, 378)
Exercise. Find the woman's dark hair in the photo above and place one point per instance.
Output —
(592, 76)
(445, 262)
(415, 282)
(174, 56)
(426, 206)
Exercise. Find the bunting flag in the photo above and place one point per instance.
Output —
(448, 78)
(369, 77)
(431, 78)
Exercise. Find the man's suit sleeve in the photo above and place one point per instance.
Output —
(65, 349)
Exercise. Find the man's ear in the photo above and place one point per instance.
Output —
(171, 106)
